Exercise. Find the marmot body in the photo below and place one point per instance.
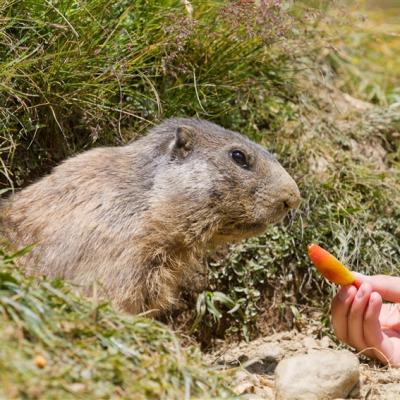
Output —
(136, 220)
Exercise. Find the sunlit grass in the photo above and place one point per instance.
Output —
(77, 74)
(90, 351)
(366, 51)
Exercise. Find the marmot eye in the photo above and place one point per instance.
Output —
(239, 158)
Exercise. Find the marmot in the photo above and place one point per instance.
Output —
(137, 219)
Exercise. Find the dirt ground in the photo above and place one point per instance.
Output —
(254, 364)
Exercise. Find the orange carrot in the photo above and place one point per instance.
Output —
(330, 267)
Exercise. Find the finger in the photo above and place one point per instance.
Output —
(374, 337)
(355, 330)
(340, 311)
(387, 286)
(390, 318)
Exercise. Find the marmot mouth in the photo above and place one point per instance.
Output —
(249, 229)
(244, 229)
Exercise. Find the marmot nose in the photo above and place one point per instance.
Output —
(291, 197)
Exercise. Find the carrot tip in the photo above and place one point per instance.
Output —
(357, 283)
(329, 266)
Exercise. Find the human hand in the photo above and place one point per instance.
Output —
(361, 320)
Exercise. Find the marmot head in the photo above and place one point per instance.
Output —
(217, 176)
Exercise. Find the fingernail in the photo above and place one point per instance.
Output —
(360, 292)
(375, 298)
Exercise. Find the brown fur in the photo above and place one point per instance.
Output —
(136, 220)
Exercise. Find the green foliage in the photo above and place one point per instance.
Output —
(344, 155)
(348, 206)
(364, 57)
(77, 73)
(92, 352)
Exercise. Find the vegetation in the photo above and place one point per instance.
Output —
(81, 74)
(306, 82)
(57, 345)
(344, 154)
(365, 58)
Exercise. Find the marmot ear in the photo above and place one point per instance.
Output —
(184, 141)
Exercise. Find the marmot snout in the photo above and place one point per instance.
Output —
(136, 220)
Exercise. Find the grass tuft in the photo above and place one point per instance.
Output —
(89, 350)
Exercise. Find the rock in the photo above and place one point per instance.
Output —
(320, 375)
(251, 386)
(264, 359)
(325, 342)
(257, 357)
(310, 343)
(243, 387)
(264, 393)
(389, 391)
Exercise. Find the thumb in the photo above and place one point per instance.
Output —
(387, 286)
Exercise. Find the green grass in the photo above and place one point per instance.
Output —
(77, 74)
(349, 207)
(346, 162)
(92, 352)
(366, 57)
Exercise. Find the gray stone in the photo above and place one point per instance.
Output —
(264, 359)
(390, 391)
(325, 342)
(310, 343)
(320, 375)
(257, 357)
